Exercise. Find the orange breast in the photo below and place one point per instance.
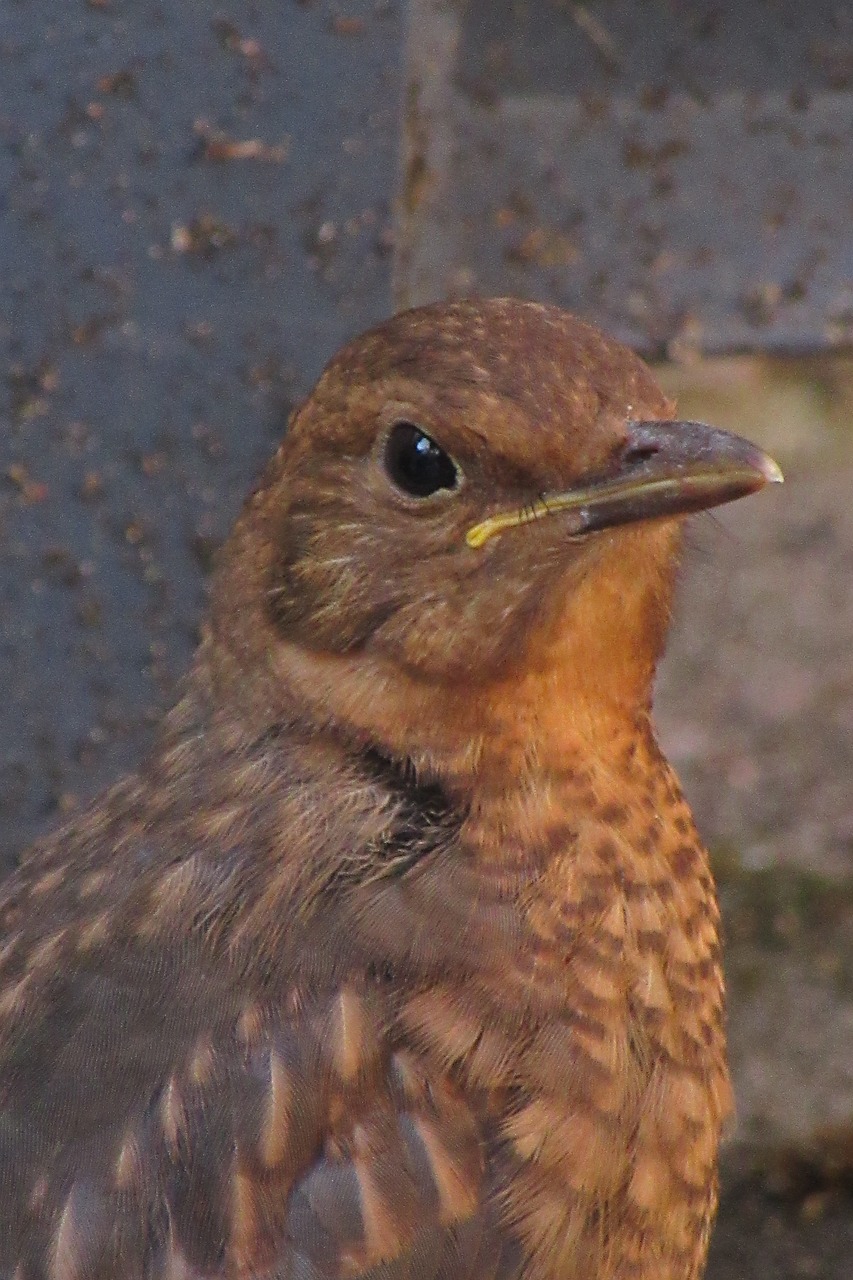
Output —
(598, 1038)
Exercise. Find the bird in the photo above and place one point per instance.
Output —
(398, 957)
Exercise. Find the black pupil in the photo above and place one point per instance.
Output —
(416, 464)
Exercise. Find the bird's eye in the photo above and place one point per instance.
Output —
(416, 464)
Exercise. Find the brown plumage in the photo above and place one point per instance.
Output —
(399, 956)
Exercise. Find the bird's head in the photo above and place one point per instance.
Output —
(476, 494)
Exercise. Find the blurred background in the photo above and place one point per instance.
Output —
(200, 202)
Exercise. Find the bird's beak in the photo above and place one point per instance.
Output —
(662, 469)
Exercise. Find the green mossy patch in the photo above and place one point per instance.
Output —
(775, 911)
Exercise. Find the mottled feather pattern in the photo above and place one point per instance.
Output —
(338, 1133)
(398, 958)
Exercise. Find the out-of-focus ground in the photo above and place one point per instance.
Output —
(755, 708)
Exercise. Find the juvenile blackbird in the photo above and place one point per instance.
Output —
(399, 956)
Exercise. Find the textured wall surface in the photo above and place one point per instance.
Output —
(194, 213)
(678, 172)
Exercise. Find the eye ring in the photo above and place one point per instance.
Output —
(416, 464)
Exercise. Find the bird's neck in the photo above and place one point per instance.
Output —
(555, 806)
(581, 674)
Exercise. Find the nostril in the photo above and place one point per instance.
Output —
(639, 453)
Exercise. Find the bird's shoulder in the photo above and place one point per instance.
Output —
(203, 1073)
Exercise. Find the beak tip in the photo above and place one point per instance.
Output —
(771, 470)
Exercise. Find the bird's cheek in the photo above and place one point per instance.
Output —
(471, 632)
